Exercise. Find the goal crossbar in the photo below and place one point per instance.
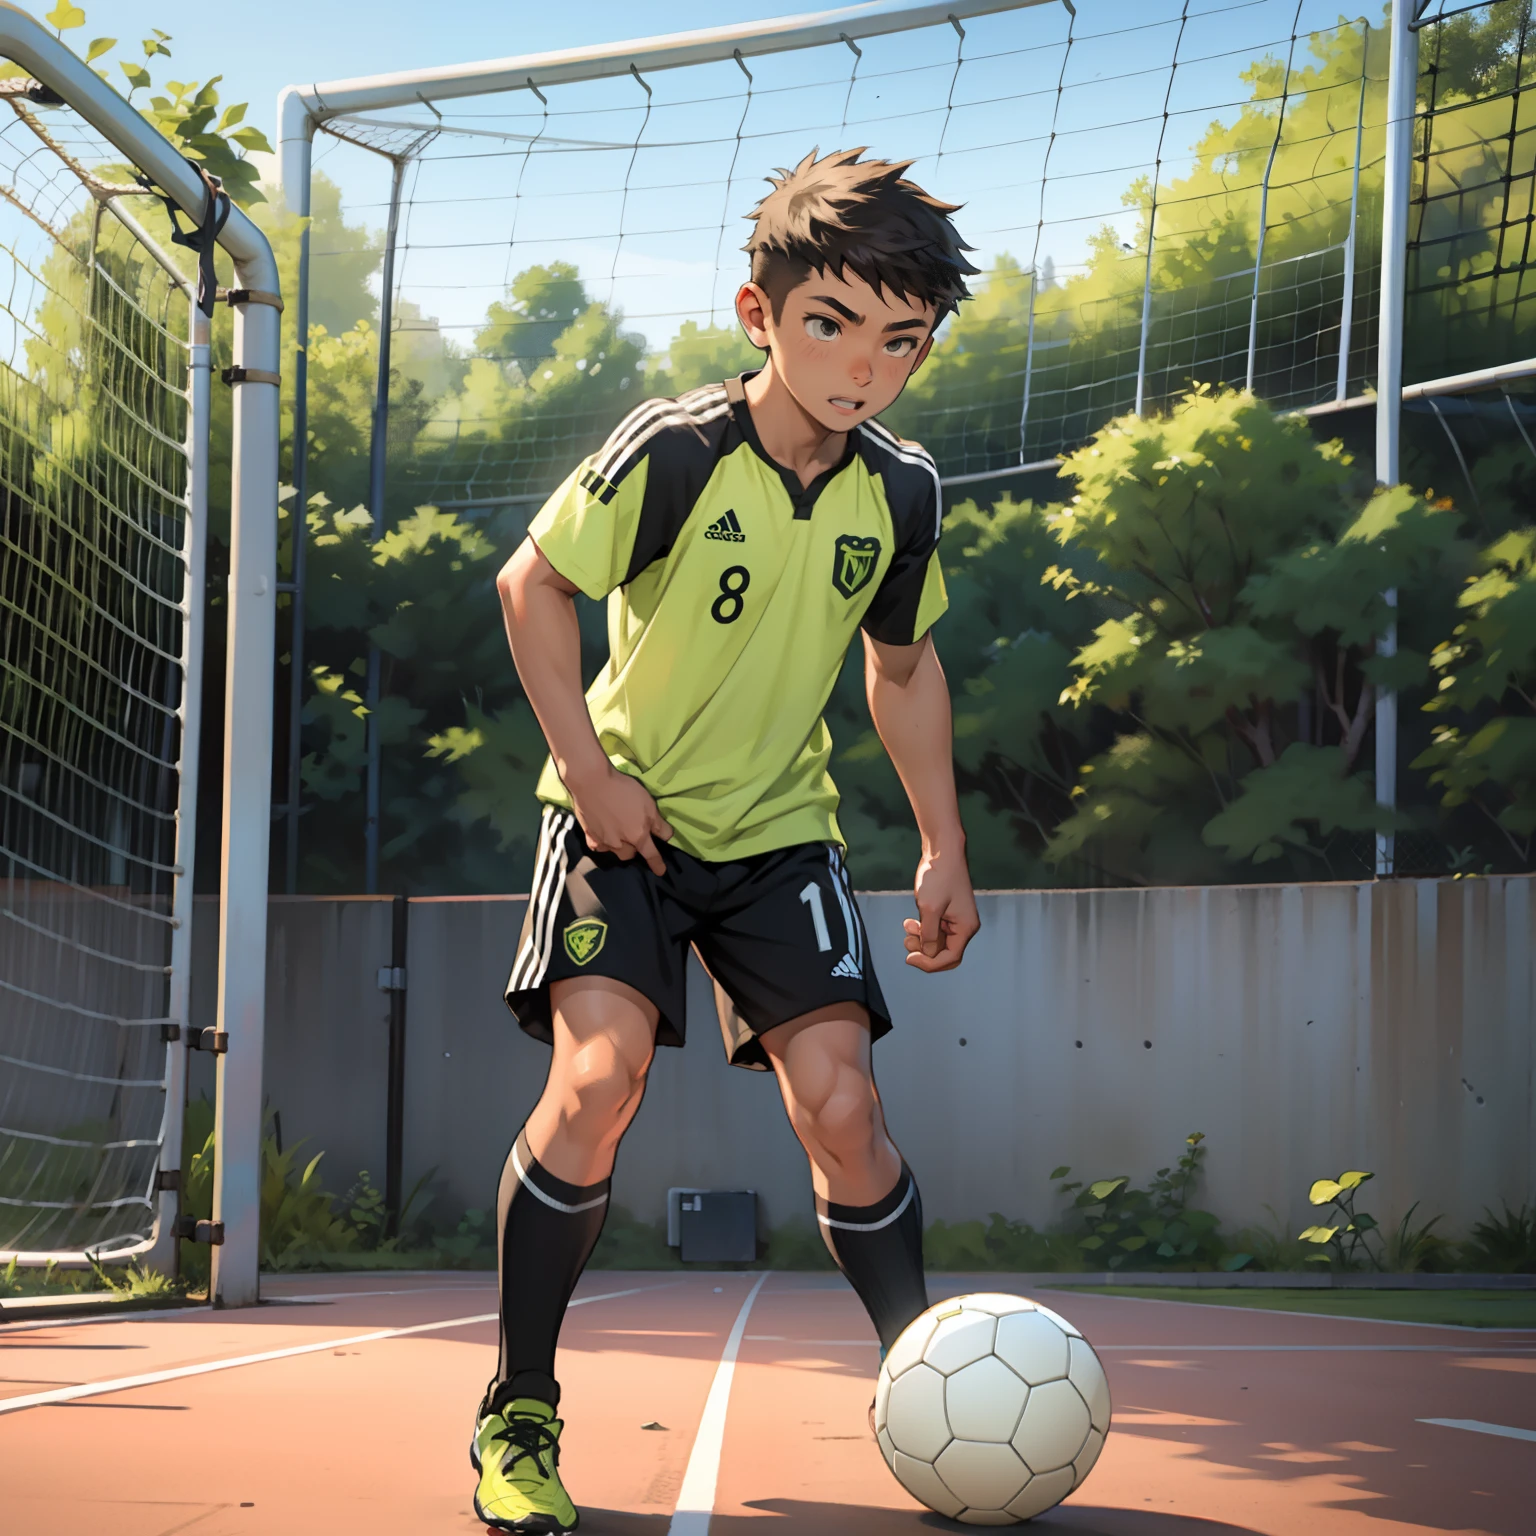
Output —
(302, 108)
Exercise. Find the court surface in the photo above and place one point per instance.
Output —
(351, 1413)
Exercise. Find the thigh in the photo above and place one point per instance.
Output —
(601, 1024)
(783, 940)
(821, 1053)
(597, 917)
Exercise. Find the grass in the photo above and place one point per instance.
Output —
(1466, 1309)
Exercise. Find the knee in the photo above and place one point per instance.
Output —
(843, 1125)
(598, 1089)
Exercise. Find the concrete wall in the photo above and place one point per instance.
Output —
(1304, 1029)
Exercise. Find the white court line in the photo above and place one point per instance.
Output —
(696, 1499)
(199, 1310)
(1483, 1428)
(413, 1290)
(779, 1338)
(1329, 1317)
(1321, 1349)
(178, 1373)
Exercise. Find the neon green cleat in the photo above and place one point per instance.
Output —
(518, 1455)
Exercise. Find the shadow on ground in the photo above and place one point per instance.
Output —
(853, 1520)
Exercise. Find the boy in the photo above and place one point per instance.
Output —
(744, 531)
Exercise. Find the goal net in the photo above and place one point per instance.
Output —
(1186, 197)
(1192, 193)
(98, 603)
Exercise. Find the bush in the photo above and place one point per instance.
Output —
(1503, 1245)
(1152, 1228)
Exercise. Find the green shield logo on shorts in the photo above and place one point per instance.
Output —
(584, 938)
(853, 563)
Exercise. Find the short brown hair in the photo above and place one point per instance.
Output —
(840, 212)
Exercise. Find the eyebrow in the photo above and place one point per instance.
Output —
(906, 325)
(842, 309)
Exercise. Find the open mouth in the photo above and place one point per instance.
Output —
(844, 404)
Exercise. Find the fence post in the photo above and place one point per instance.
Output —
(1029, 366)
(395, 1113)
(1402, 98)
(1347, 310)
(377, 457)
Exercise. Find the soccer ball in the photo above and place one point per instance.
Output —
(991, 1409)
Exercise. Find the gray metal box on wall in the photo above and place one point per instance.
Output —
(718, 1226)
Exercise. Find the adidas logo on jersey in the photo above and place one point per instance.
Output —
(848, 969)
(726, 529)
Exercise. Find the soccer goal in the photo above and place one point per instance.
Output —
(1244, 192)
(105, 409)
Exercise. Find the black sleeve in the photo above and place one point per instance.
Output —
(911, 596)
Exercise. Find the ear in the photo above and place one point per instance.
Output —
(755, 311)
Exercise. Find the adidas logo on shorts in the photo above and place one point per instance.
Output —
(848, 969)
(726, 529)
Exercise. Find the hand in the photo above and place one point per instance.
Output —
(618, 816)
(946, 906)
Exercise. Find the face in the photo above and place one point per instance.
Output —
(844, 351)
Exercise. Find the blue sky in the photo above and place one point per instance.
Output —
(664, 249)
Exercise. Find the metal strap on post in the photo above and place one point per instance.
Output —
(233, 296)
(239, 375)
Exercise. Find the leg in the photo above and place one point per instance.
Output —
(554, 1187)
(866, 1198)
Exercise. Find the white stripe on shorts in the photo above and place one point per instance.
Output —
(548, 884)
(540, 875)
(851, 924)
(556, 893)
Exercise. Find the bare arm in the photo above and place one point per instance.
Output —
(909, 703)
(614, 809)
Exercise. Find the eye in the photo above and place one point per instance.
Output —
(901, 346)
(822, 328)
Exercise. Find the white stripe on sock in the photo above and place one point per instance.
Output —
(549, 1200)
(872, 1226)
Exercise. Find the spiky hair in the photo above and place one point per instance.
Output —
(840, 213)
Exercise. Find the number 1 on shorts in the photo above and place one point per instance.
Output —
(811, 896)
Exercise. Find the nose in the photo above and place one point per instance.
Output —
(862, 371)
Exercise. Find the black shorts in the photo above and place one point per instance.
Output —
(779, 934)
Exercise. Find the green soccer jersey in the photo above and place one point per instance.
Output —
(733, 595)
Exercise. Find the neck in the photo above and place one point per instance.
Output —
(790, 435)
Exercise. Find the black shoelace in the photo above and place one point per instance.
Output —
(529, 1439)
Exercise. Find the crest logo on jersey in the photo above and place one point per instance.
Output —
(584, 938)
(853, 563)
(727, 528)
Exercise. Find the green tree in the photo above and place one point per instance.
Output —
(1247, 564)
(701, 354)
(459, 745)
(524, 327)
(1484, 755)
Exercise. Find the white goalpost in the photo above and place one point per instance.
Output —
(104, 448)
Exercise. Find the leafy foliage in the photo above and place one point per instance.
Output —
(1243, 564)
(1485, 753)
(186, 112)
(1152, 1228)
(1504, 1244)
(300, 1224)
(1354, 1239)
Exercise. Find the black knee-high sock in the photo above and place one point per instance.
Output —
(547, 1231)
(879, 1248)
